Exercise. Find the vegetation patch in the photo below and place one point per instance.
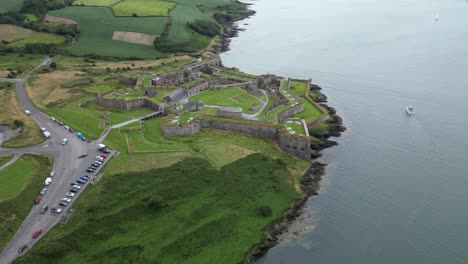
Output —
(10, 5)
(97, 25)
(96, 2)
(15, 36)
(20, 184)
(190, 212)
(142, 8)
(58, 20)
(134, 37)
(12, 115)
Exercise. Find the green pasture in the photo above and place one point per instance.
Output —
(142, 8)
(206, 215)
(20, 184)
(181, 15)
(98, 88)
(97, 25)
(298, 88)
(206, 3)
(231, 96)
(31, 17)
(10, 5)
(19, 37)
(96, 2)
(310, 112)
(19, 62)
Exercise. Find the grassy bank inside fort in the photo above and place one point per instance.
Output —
(190, 212)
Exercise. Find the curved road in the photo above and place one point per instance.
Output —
(67, 166)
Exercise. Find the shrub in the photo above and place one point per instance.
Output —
(264, 210)
(55, 249)
(205, 27)
(156, 202)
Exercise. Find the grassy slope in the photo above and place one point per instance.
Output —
(210, 218)
(10, 5)
(14, 178)
(13, 211)
(86, 120)
(19, 37)
(97, 25)
(9, 112)
(142, 8)
(16, 62)
(96, 2)
(181, 14)
(231, 96)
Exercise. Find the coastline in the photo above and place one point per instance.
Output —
(310, 180)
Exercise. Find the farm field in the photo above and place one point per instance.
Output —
(18, 36)
(231, 96)
(205, 215)
(10, 5)
(142, 8)
(97, 25)
(96, 2)
(11, 114)
(29, 173)
(181, 14)
(18, 62)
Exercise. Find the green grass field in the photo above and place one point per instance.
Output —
(98, 89)
(181, 14)
(96, 2)
(97, 25)
(14, 178)
(231, 96)
(10, 5)
(20, 183)
(4, 158)
(18, 36)
(298, 88)
(298, 128)
(210, 215)
(87, 120)
(19, 62)
(142, 8)
(207, 3)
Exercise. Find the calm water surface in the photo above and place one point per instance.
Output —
(396, 189)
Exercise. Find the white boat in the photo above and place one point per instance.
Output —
(436, 17)
(410, 110)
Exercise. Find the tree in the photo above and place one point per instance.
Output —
(18, 123)
(264, 210)
(53, 65)
(156, 202)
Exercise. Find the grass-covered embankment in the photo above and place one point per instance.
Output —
(190, 212)
(20, 184)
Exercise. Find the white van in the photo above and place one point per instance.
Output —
(64, 141)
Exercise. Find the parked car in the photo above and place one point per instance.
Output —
(37, 233)
(52, 118)
(37, 200)
(85, 177)
(101, 147)
(74, 190)
(60, 123)
(43, 191)
(69, 194)
(81, 181)
(43, 129)
(103, 156)
(52, 174)
(76, 186)
(48, 181)
(27, 112)
(83, 139)
(56, 210)
(98, 162)
(66, 127)
(90, 170)
(106, 150)
(71, 130)
(67, 200)
(22, 249)
(64, 141)
(63, 203)
(82, 156)
(44, 209)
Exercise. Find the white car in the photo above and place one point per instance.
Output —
(48, 181)
(69, 194)
(52, 174)
(65, 200)
(52, 118)
(76, 186)
(43, 191)
(64, 141)
(66, 127)
(27, 112)
(43, 129)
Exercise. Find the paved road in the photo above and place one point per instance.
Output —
(66, 164)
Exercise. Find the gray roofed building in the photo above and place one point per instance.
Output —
(176, 96)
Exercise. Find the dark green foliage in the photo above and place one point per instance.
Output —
(55, 249)
(205, 27)
(12, 17)
(18, 123)
(156, 202)
(264, 211)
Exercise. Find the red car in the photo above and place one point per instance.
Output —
(103, 156)
(37, 233)
(38, 200)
